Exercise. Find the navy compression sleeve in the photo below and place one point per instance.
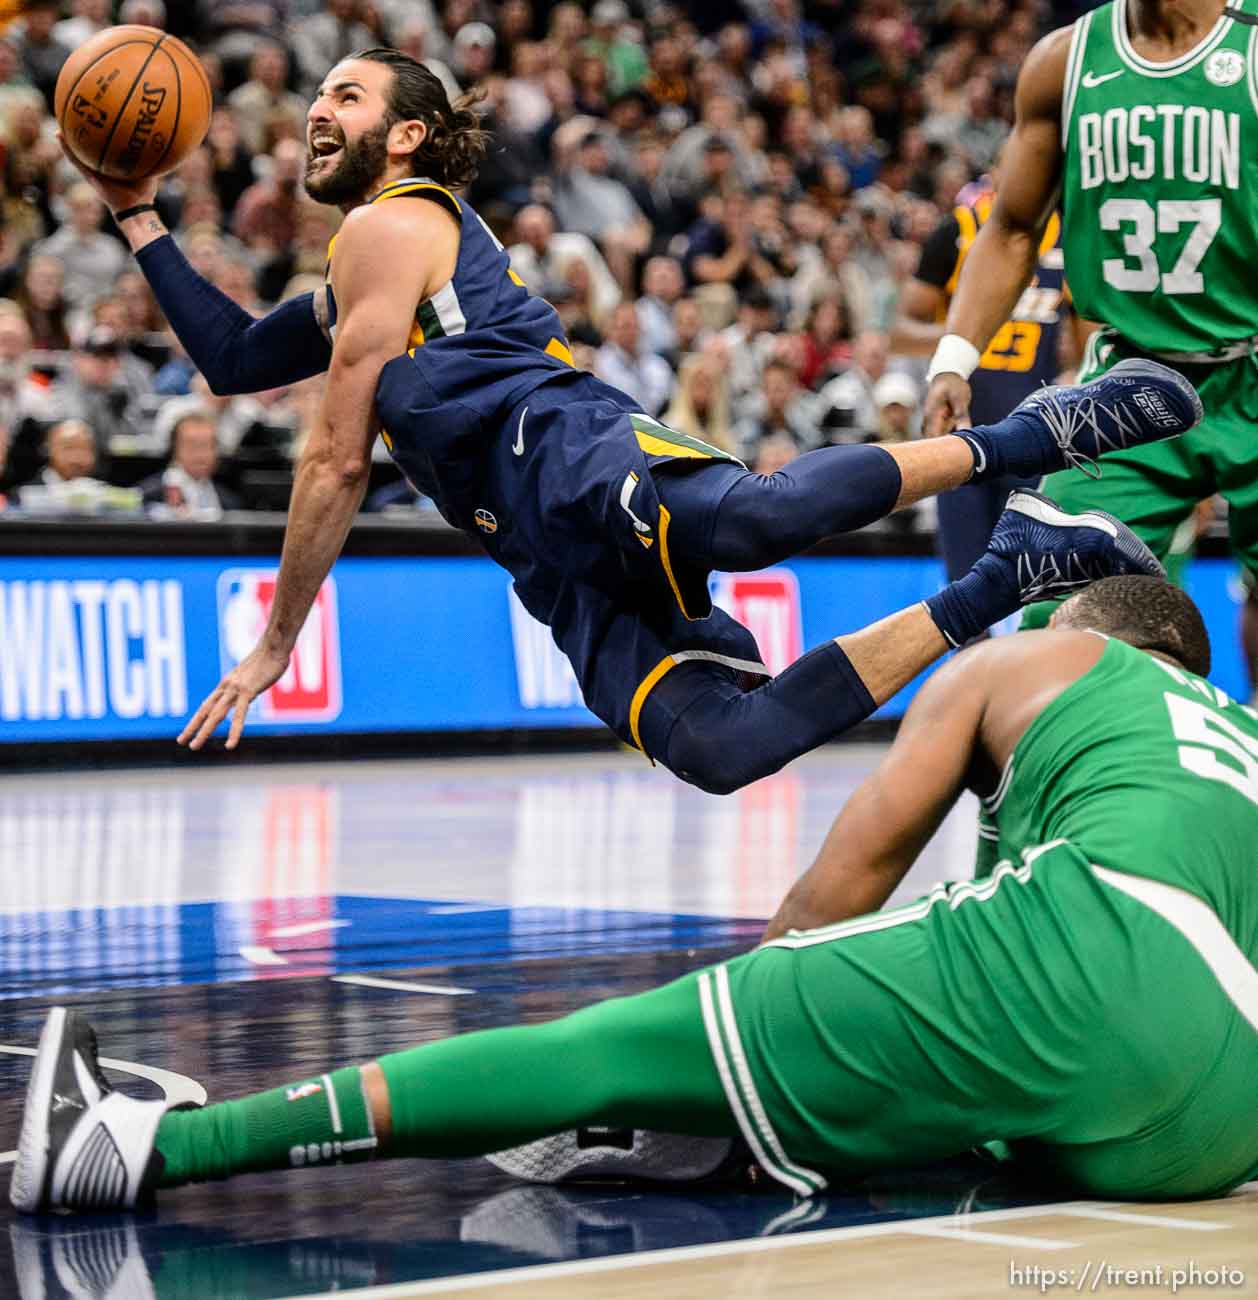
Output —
(234, 351)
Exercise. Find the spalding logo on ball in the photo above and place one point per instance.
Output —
(132, 102)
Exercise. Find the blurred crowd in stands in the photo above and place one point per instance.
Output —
(721, 200)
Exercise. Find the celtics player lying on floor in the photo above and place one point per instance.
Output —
(1093, 1001)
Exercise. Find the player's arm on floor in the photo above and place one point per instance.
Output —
(895, 811)
(381, 268)
(1002, 259)
(235, 351)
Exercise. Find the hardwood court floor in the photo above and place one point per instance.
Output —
(235, 927)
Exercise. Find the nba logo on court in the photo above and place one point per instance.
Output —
(767, 605)
(310, 691)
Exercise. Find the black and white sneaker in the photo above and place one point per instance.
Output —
(618, 1153)
(83, 1146)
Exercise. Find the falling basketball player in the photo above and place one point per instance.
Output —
(609, 522)
(1092, 1000)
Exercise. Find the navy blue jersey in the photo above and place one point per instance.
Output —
(551, 470)
(1024, 353)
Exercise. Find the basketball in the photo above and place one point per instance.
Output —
(132, 102)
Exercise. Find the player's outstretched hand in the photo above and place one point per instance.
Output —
(947, 405)
(116, 195)
(233, 695)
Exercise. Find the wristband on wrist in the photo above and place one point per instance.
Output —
(135, 211)
(953, 356)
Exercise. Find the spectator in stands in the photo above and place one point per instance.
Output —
(67, 483)
(104, 394)
(689, 326)
(749, 340)
(896, 399)
(976, 130)
(152, 13)
(700, 405)
(541, 253)
(856, 148)
(847, 407)
(624, 364)
(589, 200)
(774, 453)
(827, 336)
(414, 36)
(779, 408)
(233, 28)
(91, 259)
(43, 302)
(255, 104)
(24, 392)
(42, 54)
(473, 52)
(186, 488)
(266, 216)
(231, 164)
(88, 18)
(662, 286)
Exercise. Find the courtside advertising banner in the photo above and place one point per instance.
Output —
(116, 648)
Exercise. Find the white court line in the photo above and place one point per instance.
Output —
(401, 986)
(684, 1254)
(305, 927)
(992, 1238)
(457, 909)
(1145, 1220)
(262, 956)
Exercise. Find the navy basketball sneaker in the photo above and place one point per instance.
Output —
(1070, 426)
(1037, 552)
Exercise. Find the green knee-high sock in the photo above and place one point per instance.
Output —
(321, 1120)
(639, 1062)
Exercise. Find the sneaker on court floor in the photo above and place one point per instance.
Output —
(619, 1153)
(1053, 553)
(83, 1146)
(1135, 402)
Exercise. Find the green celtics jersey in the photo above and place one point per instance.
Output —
(1160, 184)
(1145, 769)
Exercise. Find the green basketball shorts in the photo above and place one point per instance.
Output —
(1045, 1006)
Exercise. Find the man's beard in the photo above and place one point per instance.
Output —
(362, 163)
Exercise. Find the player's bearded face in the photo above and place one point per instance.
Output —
(353, 169)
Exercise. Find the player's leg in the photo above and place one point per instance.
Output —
(639, 1061)
(692, 711)
(729, 519)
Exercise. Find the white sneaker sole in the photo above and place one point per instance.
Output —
(26, 1187)
(1044, 511)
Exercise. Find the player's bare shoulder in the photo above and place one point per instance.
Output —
(1042, 79)
(411, 244)
(1023, 674)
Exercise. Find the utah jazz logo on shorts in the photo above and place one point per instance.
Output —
(485, 521)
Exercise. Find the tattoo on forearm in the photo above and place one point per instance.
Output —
(155, 227)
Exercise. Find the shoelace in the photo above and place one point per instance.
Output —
(1041, 575)
(1066, 422)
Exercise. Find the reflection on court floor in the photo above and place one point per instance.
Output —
(234, 927)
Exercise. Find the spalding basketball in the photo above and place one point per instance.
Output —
(132, 102)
